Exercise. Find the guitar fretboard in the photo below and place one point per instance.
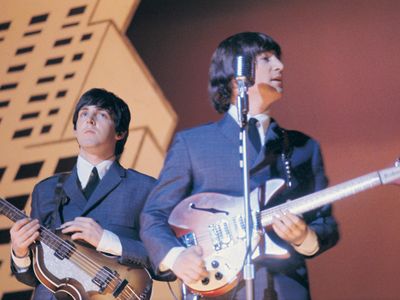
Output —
(332, 194)
(11, 211)
(46, 236)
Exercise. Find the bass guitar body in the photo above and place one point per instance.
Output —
(66, 271)
(75, 270)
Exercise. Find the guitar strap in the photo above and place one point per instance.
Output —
(286, 154)
(270, 292)
(60, 199)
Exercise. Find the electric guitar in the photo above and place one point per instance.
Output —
(216, 223)
(75, 270)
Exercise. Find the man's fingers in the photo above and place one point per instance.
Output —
(31, 239)
(23, 225)
(198, 250)
(77, 236)
(79, 224)
(194, 274)
(190, 266)
(19, 224)
(30, 231)
(72, 228)
(24, 232)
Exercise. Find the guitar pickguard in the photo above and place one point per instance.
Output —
(64, 268)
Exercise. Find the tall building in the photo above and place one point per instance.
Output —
(50, 53)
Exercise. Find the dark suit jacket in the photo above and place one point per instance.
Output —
(206, 159)
(115, 204)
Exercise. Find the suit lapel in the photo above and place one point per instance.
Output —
(230, 129)
(259, 163)
(260, 170)
(73, 190)
(111, 180)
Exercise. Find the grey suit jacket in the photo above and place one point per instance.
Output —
(115, 204)
(206, 159)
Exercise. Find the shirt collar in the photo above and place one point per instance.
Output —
(264, 119)
(84, 168)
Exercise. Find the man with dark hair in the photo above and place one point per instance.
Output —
(102, 201)
(206, 159)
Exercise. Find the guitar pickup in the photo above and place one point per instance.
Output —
(120, 288)
(188, 239)
(64, 250)
(103, 278)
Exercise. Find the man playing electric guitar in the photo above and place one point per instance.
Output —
(206, 159)
(98, 203)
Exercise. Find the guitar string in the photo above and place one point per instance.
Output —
(90, 265)
(205, 235)
(269, 213)
(82, 257)
(344, 189)
(276, 210)
(47, 234)
(87, 264)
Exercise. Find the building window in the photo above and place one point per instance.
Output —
(45, 79)
(4, 26)
(31, 115)
(24, 50)
(61, 94)
(65, 164)
(53, 111)
(22, 133)
(62, 42)
(39, 19)
(45, 129)
(76, 11)
(36, 98)
(77, 56)
(54, 61)
(29, 170)
(16, 68)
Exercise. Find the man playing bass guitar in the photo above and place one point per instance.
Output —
(99, 203)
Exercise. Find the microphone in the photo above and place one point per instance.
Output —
(244, 70)
(244, 75)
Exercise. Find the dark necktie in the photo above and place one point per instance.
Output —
(92, 183)
(254, 136)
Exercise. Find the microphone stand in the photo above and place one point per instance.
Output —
(243, 108)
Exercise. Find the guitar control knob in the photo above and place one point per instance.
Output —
(218, 275)
(215, 264)
(205, 281)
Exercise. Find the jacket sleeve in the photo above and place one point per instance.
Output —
(28, 276)
(322, 220)
(133, 249)
(174, 184)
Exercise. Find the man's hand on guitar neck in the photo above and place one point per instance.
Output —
(290, 228)
(23, 233)
(189, 266)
